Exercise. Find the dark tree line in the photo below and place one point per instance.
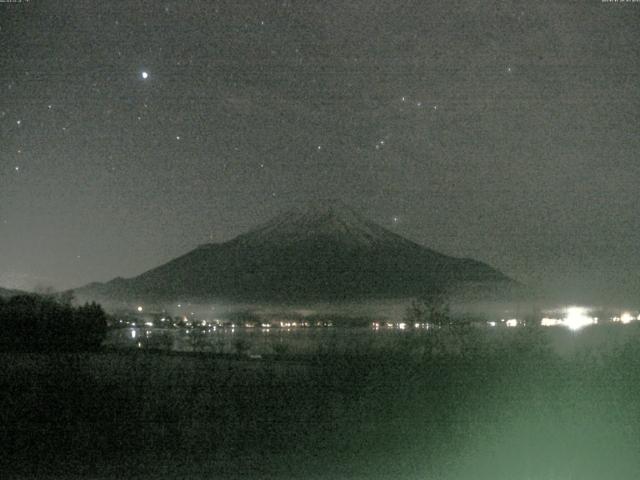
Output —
(50, 323)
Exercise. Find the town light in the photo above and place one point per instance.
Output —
(577, 318)
(626, 317)
(550, 322)
(512, 322)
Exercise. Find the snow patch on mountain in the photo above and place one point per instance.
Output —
(326, 219)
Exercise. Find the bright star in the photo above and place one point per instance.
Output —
(145, 75)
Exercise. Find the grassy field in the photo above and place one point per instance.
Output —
(473, 404)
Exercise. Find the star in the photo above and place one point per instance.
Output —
(395, 219)
(145, 75)
(17, 168)
(18, 122)
(319, 147)
(178, 137)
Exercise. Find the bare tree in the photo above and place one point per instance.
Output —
(432, 308)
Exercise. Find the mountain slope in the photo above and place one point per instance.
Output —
(320, 251)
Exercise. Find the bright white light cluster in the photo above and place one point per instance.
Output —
(625, 318)
(577, 318)
(550, 322)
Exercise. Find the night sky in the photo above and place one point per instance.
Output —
(133, 131)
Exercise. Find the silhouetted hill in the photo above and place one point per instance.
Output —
(6, 293)
(321, 251)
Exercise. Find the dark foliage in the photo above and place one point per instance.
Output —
(49, 323)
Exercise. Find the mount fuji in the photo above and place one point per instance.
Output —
(320, 251)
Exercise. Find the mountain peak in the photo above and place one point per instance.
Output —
(326, 219)
(317, 250)
(328, 206)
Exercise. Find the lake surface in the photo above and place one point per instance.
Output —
(259, 341)
(597, 339)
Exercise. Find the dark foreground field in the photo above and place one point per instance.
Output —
(456, 405)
